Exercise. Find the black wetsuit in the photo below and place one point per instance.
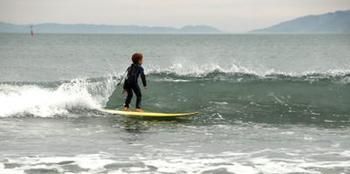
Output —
(131, 84)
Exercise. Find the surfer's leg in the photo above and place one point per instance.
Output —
(138, 94)
(128, 97)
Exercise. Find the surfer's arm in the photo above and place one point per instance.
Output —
(143, 78)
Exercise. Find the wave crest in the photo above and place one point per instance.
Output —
(235, 72)
(48, 102)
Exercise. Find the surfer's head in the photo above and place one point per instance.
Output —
(137, 58)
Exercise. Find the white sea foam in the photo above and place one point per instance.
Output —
(48, 102)
(93, 163)
(190, 69)
(247, 163)
(200, 70)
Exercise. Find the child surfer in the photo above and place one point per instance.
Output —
(131, 85)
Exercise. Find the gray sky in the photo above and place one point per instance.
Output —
(227, 15)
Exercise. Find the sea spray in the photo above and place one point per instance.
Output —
(50, 101)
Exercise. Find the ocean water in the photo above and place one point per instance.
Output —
(268, 104)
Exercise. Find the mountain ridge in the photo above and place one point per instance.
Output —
(102, 28)
(331, 22)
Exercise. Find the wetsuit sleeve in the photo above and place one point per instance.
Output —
(143, 77)
(125, 78)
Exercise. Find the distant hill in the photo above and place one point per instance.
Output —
(88, 28)
(336, 22)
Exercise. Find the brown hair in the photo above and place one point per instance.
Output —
(136, 57)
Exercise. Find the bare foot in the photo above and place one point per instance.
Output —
(139, 110)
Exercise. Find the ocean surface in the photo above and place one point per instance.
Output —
(269, 104)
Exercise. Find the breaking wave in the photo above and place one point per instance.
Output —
(264, 90)
(47, 100)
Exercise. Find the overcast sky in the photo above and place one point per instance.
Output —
(227, 15)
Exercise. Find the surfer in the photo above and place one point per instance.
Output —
(131, 85)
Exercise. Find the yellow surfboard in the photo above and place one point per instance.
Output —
(148, 114)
